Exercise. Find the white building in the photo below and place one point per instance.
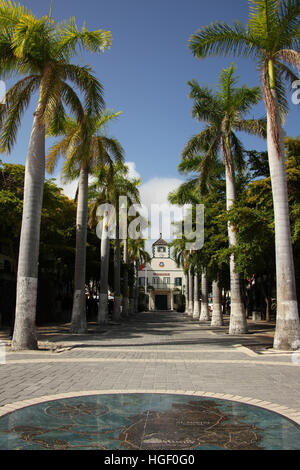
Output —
(162, 279)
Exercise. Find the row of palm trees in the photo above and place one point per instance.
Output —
(70, 106)
(272, 40)
(41, 54)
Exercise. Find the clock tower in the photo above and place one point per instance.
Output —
(162, 279)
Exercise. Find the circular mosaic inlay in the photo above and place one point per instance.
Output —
(148, 421)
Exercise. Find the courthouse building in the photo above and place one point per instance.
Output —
(162, 279)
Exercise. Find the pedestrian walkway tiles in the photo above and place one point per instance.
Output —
(148, 421)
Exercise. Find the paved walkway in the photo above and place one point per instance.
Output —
(151, 352)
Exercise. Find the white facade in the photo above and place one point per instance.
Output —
(162, 279)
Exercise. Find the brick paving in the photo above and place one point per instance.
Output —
(160, 351)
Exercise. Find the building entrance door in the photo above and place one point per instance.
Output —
(161, 302)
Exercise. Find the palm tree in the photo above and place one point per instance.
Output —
(196, 310)
(85, 148)
(272, 40)
(137, 256)
(197, 191)
(204, 313)
(217, 316)
(40, 51)
(224, 113)
(198, 263)
(110, 185)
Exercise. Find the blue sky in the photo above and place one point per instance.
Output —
(146, 71)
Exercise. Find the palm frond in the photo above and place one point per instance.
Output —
(201, 142)
(244, 98)
(87, 83)
(263, 21)
(31, 40)
(114, 148)
(188, 165)
(223, 39)
(105, 118)
(288, 25)
(186, 193)
(252, 126)
(290, 56)
(70, 38)
(11, 13)
(16, 101)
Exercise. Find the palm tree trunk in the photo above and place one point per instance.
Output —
(136, 300)
(196, 312)
(125, 307)
(287, 333)
(117, 275)
(103, 297)
(187, 294)
(191, 303)
(238, 322)
(78, 322)
(217, 317)
(24, 336)
(204, 314)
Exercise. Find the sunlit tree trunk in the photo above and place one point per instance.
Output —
(103, 297)
(204, 314)
(24, 336)
(187, 292)
(78, 322)
(287, 333)
(217, 317)
(238, 322)
(117, 274)
(196, 312)
(191, 303)
(125, 304)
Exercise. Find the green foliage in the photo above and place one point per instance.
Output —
(224, 112)
(57, 224)
(253, 215)
(41, 52)
(270, 38)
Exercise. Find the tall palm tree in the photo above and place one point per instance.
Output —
(204, 313)
(196, 310)
(224, 113)
(198, 190)
(85, 148)
(41, 52)
(272, 40)
(110, 185)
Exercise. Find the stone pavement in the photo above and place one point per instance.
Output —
(154, 352)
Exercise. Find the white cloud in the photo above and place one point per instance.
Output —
(155, 192)
(133, 173)
(69, 189)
